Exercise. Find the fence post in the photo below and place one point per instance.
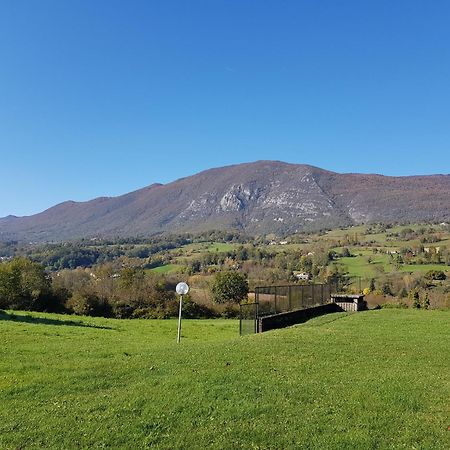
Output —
(289, 298)
(275, 299)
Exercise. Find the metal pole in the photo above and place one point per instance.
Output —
(179, 320)
(289, 298)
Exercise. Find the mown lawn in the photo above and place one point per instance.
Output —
(369, 380)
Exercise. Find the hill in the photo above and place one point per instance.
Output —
(377, 379)
(260, 197)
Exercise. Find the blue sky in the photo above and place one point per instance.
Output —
(101, 97)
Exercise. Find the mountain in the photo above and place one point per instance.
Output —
(259, 197)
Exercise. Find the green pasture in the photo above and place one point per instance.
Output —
(423, 267)
(166, 268)
(340, 233)
(369, 380)
(286, 247)
(206, 247)
(380, 239)
(359, 266)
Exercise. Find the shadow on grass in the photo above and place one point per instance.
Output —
(331, 317)
(43, 321)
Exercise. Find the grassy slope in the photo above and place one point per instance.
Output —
(377, 379)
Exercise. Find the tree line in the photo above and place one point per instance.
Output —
(108, 292)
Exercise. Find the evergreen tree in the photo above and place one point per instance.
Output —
(416, 300)
(426, 301)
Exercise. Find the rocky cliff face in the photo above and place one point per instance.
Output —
(260, 197)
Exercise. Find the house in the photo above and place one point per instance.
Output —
(301, 275)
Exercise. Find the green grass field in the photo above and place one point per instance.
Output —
(358, 266)
(205, 247)
(166, 268)
(369, 380)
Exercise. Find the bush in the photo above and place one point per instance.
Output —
(346, 252)
(386, 289)
(366, 291)
(229, 287)
(230, 312)
(193, 310)
(122, 310)
(88, 305)
(395, 305)
(426, 301)
(435, 275)
(416, 300)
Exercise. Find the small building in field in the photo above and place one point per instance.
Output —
(301, 275)
(349, 302)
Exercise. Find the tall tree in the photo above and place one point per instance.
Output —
(229, 287)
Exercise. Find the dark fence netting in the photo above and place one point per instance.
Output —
(271, 300)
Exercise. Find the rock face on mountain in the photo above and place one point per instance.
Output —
(260, 197)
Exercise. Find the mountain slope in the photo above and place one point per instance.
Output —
(260, 197)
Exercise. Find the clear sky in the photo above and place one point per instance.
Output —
(101, 97)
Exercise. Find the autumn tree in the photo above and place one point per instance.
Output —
(24, 285)
(229, 287)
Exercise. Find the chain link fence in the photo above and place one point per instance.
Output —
(248, 318)
(271, 300)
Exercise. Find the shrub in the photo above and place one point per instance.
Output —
(193, 310)
(386, 289)
(346, 252)
(230, 312)
(433, 275)
(416, 300)
(426, 301)
(396, 305)
(122, 310)
(88, 305)
(229, 287)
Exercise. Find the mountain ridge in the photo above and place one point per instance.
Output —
(259, 197)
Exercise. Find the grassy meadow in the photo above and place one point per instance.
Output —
(369, 380)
